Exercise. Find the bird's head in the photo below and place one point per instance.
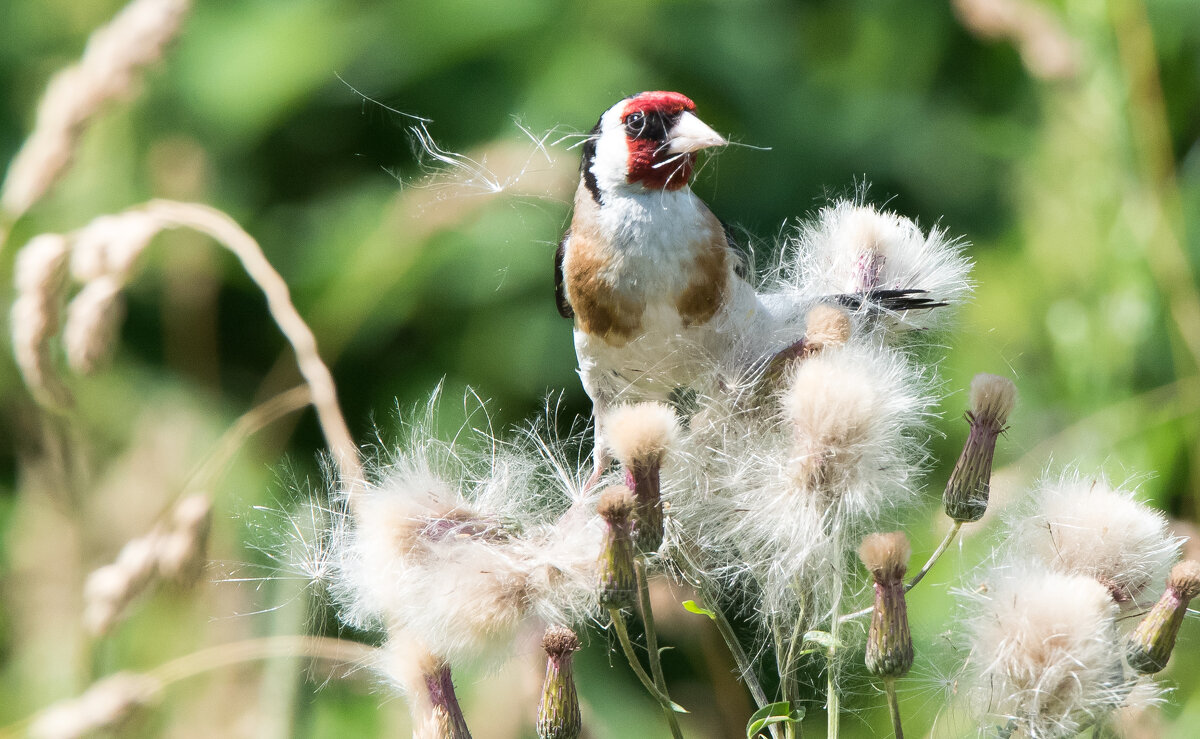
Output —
(648, 140)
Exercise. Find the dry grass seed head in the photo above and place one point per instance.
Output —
(106, 705)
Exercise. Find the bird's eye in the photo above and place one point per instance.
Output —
(634, 124)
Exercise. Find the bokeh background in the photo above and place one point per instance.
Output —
(1060, 139)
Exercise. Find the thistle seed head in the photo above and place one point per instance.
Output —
(558, 713)
(641, 434)
(969, 487)
(992, 399)
(618, 579)
(1151, 643)
(889, 641)
(826, 326)
(885, 555)
(1085, 526)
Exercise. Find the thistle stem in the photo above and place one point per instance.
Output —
(655, 658)
(889, 685)
(933, 558)
(745, 666)
(937, 553)
(618, 621)
(787, 675)
(832, 708)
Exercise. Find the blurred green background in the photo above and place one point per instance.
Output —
(1059, 139)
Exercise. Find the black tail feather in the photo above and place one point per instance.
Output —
(889, 300)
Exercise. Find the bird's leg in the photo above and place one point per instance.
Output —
(601, 457)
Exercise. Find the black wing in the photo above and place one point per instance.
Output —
(889, 300)
(560, 289)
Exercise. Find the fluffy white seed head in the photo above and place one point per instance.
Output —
(853, 248)
(1084, 526)
(1046, 652)
(772, 498)
(420, 559)
(460, 545)
(885, 555)
(843, 413)
(641, 434)
(1185, 579)
(992, 398)
(826, 326)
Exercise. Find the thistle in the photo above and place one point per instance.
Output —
(966, 496)
(825, 326)
(618, 580)
(446, 714)
(558, 713)
(1152, 641)
(640, 436)
(889, 642)
(1043, 651)
(1085, 526)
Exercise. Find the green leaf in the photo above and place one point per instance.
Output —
(822, 638)
(691, 607)
(773, 713)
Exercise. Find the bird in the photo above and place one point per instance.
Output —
(651, 278)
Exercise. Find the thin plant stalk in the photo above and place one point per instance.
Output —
(889, 686)
(225, 231)
(739, 654)
(832, 708)
(652, 647)
(618, 621)
(787, 676)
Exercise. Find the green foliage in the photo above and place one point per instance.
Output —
(1080, 197)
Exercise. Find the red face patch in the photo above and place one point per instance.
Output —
(648, 118)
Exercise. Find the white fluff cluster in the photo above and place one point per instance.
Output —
(1084, 526)
(852, 248)
(783, 491)
(454, 546)
(778, 464)
(1047, 654)
(1047, 635)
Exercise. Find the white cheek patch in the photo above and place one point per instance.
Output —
(612, 151)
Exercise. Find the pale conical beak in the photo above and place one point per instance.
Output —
(692, 134)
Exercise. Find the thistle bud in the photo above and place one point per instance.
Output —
(558, 713)
(618, 580)
(889, 643)
(992, 399)
(641, 435)
(1151, 643)
(825, 326)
